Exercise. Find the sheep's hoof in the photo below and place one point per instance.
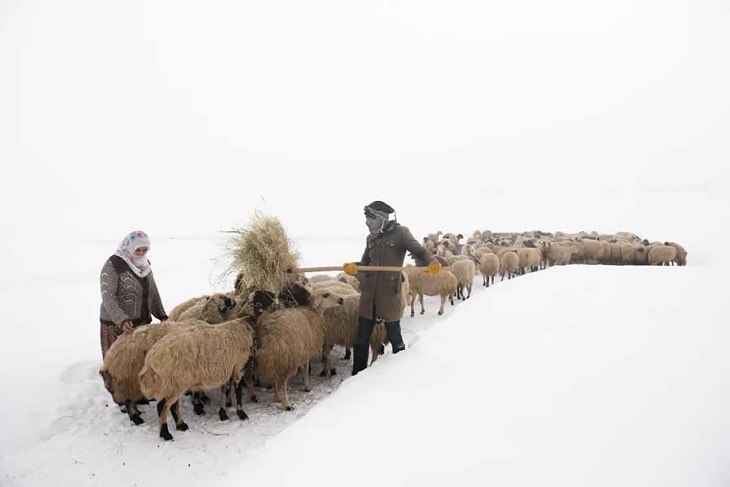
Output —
(222, 414)
(413, 314)
(441, 312)
(199, 409)
(182, 426)
(229, 404)
(307, 389)
(165, 433)
(242, 414)
(289, 408)
(136, 419)
(254, 399)
(423, 311)
(333, 371)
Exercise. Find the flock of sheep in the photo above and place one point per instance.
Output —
(249, 337)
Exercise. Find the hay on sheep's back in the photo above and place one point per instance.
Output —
(264, 254)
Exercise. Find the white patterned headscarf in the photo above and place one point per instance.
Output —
(132, 241)
(375, 220)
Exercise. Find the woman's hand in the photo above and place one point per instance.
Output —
(127, 326)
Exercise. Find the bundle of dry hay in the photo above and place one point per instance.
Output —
(263, 254)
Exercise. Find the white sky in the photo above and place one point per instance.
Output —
(183, 119)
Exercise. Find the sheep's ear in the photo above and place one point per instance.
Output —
(315, 300)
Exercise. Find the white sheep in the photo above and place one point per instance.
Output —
(422, 283)
(681, 258)
(509, 263)
(489, 267)
(216, 308)
(662, 255)
(289, 338)
(465, 271)
(174, 314)
(529, 258)
(203, 356)
(124, 360)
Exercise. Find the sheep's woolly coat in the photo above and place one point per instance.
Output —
(489, 267)
(124, 360)
(288, 338)
(422, 283)
(179, 309)
(201, 357)
(465, 271)
(215, 308)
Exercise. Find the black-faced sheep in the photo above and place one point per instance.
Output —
(200, 357)
(288, 338)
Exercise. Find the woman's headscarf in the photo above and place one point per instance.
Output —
(132, 241)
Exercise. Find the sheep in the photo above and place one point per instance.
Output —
(593, 251)
(489, 267)
(442, 284)
(348, 279)
(201, 357)
(215, 308)
(178, 310)
(529, 258)
(681, 258)
(559, 253)
(465, 272)
(124, 360)
(509, 263)
(288, 338)
(338, 287)
(321, 277)
(662, 255)
(341, 324)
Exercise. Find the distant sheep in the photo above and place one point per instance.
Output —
(489, 267)
(289, 338)
(465, 271)
(529, 258)
(662, 255)
(681, 258)
(509, 264)
(201, 357)
(422, 283)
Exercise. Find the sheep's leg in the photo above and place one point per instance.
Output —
(304, 371)
(281, 394)
(175, 410)
(326, 369)
(239, 401)
(225, 400)
(348, 352)
(443, 302)
(420, 300)
(133, 412)
(162, 408)
(249, 380)
(198, 400)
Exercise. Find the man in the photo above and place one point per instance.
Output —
(380, 292)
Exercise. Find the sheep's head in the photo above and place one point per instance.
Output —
(323, 299)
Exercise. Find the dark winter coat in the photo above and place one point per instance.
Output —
(382, 290)
(125, 296)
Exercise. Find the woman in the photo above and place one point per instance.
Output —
(129, 296)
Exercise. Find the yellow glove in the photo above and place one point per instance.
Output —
(434, 268)
(350, 268)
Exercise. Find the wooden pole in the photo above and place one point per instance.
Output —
(360, 268)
